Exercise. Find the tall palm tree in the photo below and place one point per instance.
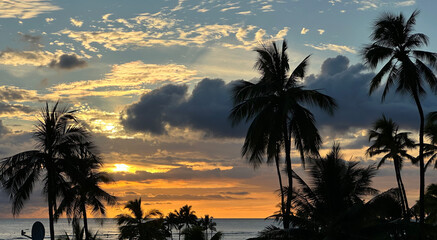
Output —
(84, 190)
(275, 105)
(407, 68)
(393, 144)
(141, 226)
(56, 133)
(186, 216)
(431, 133)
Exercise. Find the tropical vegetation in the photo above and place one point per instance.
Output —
(275, 105)
(335, 200)
(408, 68)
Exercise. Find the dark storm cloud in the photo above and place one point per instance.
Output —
(206, 109)
(68, 62)
(153, 109)
(186, 173)
(349, 85)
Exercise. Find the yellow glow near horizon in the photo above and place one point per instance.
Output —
(121, 168)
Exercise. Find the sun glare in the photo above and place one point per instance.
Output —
(121, 168)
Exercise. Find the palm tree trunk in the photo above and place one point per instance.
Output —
(287, 141)
(85, 221)
(281, 188)
(407, 208)
(51, 199)
(51, 219)
(421, 162)
(401, 195)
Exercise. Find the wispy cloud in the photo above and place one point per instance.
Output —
(332, 47)
(229, 8)
(76, 22)
(245, 13)
(405, 3)
(321, 31)
(25, 9)
(304, 31)
(39, 58)
(132, 78)
(267, 8)
(179, 6)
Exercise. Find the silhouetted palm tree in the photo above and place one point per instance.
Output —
(274, 105)
(407, 68)
(171, 221)
(186, 216)
(84, 190)
(337, 186)
(431, 133)
(56, 133)
(141, 226)
(207, 224)
(393, 144)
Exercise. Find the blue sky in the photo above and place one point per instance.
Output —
(140, 73)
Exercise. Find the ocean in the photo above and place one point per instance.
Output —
(233, 229)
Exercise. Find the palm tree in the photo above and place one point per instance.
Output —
(56, 133)
(186, 216)
(207, 224)
(171, 221)
(274, 104)
(407, 68)
(84, 190)
(431, 133)
(141, 226)
(393, 144)
(337, 186)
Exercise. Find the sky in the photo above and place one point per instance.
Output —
(151, 80)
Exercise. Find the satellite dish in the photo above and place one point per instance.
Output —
(38, 231)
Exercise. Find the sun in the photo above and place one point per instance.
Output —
(121, 168)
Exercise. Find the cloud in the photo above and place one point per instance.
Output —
(206, 109)
(349, 85)
(267, 8)
(244, 13)
(76, 23)
(179, 6)
(304, 31)
(258, 36)
(49, 20)
(34, 58)
(130, 78)
(229, 8)
(154, 21)
(15, 94)
(332, 47)
(321, 31)
(34, 41)
(3, 130)
(405, 3)
(7, 109)
(186, 173)
(68, 62)
(41, 58)
(25, 9)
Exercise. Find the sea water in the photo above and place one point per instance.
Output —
(233, 229)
